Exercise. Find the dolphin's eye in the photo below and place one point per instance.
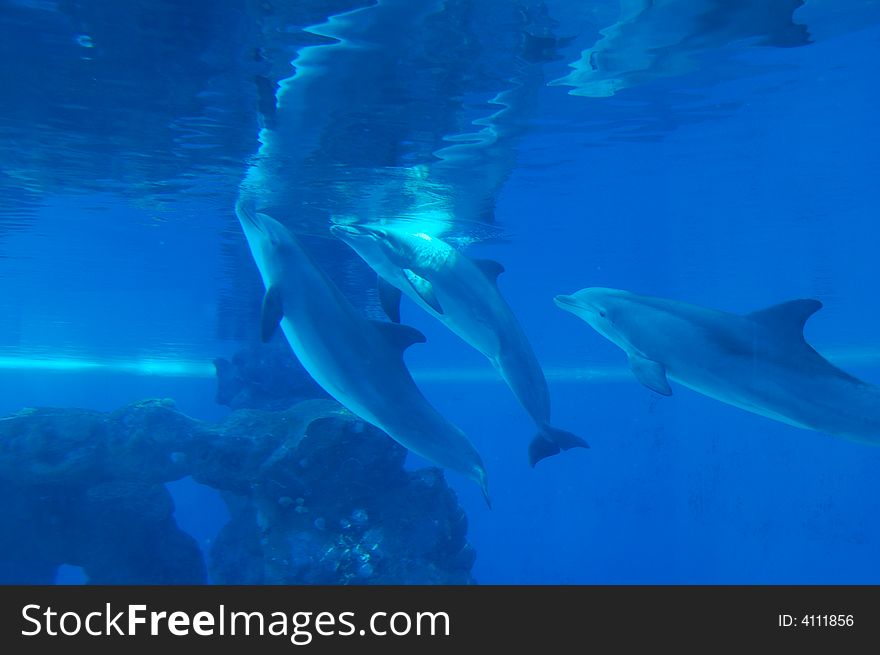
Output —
(602, 313)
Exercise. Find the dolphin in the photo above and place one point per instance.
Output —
(357, 361)
(463, 294)
(656, 39)
(759, 362)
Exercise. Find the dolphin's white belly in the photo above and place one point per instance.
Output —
(827, 404)
(475, 323)
(483, 319)
(334, 379)
(368, 377)
(741, 398)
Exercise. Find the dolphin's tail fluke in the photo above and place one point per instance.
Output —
(551, 441)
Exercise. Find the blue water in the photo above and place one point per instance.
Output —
(731, 162)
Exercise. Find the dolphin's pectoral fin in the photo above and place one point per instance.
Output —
(424, 289)
(389, 298)
(788, 318)
(273, 312)
(401, 336)
(491, 269)
(650, 373)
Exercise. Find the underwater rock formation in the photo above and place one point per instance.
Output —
(264, 376)
(85, 488)
(334, 505)
(315, 496)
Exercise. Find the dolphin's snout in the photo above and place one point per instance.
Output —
(565, 301)
(339, 230)
(350, 231)
(248, 216)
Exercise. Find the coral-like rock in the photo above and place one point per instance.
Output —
(266, 376)
(315, 496)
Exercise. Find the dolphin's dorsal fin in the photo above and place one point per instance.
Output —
(650, 373)
(424, 290)
(787, 318)
(399, 335)
(389, 298)
(491, 269)
(272, 313)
